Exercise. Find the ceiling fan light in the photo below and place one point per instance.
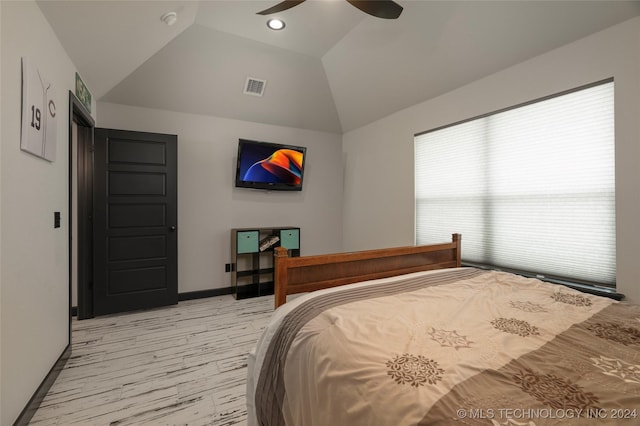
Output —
(275, 24)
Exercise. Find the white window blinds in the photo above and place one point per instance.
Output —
(530, 188)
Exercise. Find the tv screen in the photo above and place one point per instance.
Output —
(271, 166)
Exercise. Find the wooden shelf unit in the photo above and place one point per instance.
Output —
(251, 267)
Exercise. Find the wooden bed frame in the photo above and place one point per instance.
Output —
(309, 273)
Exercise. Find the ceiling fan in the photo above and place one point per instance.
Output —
(385, 9)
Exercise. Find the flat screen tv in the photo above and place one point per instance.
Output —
(271, 166)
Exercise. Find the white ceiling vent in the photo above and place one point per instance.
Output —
(254, 86)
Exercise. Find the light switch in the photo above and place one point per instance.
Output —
(56, 219)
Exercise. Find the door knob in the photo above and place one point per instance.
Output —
(172, 228)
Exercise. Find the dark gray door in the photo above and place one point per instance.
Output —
(135, 221)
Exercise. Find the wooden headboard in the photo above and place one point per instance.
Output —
(309, 273)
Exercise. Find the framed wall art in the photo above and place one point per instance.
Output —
(39, 122)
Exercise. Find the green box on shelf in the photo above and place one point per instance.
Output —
(290, 238)
(248, 241)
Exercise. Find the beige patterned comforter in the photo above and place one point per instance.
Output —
(459, 346)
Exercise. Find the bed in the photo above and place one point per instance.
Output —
(406, 336)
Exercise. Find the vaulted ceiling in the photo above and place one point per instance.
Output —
(333, 68)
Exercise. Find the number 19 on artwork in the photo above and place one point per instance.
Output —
(36, 115)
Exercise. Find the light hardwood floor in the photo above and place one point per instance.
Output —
(184, 364)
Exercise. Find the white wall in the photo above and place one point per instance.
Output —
(379, 205)
(1, 140)
(208, 203)
(34, 319)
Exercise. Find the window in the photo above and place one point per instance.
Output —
(530, 188)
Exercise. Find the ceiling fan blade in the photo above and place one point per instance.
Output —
(282, 6)
(385, 9)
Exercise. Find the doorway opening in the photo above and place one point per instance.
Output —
(81, 127)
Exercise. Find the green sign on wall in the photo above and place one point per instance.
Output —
(83, 93)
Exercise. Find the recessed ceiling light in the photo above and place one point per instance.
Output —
(275, 24)
(169, 18)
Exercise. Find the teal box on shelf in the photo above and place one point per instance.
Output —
(290, 238)
(248, 241)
